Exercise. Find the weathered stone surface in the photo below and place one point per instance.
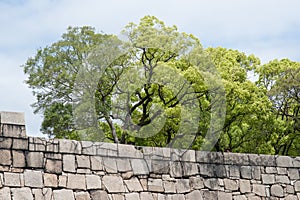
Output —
(35, 159)
(88, 148)
(194, 195)
(245, 186)
(113, 184)
(133, 185)
(62, 181)
(5, 143)
(20, 144)
(18, 159)
(54, 166)
(110, 165)
(139, 167)
(176, 169)
(123, 165)
(132, 196)
(207, 170)
(21, 193)
(236, 159)
(276, 190)
(224, 196)
(33, 178)
(155, 185)
(42, 194)
(169, 187)
(146, 196)
(83, 161)
(99, 195)
(76, 181)
(259, 189)
(16, 118)
(284, 161)
(69, 146)
(129, 151)
(69, 164)
(231, 184)
(93, 182)
(182, 185)
(282, 179)
(5, 157)
(293, 173)
(190, 169)
(297, 186)
(268, 178)
(246, 172)
(82, 196)
(50, 180)
(96, 163)
(63, 195)
(5, 193)
(12, 179)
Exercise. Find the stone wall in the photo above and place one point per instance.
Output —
(48, 169)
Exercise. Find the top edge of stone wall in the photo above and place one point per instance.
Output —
(164, 154)
(13, 118)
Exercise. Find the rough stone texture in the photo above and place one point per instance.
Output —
(113, 184)
(63, 195)
(50, 169)
(33, 179)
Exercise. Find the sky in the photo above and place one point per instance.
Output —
(269, 29)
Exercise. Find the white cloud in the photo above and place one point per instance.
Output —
(269, 29)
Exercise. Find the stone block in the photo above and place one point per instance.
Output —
(282, 179)
(133, 185)
(5, 143)
(224, 196)
(88, 148)
(52, 145)
(182, 186)
(42, 194)
(123, 165)
(211, 183)
(262, 160)
(76, 181)
(236, 159)
(50, 180)
(129, 151)
(246, 172)
(96, 163)
(155, 185)
(106, 149)
(271, 170)
(33, 179)
(69, 163)
(82, 196)
(93, 182)
(15, 118)
(5, 157)
(176, 169)
(110, 165)
(21, 193)
(190, 169)
(69, 146)
(256, 173)
(83, 161)
(118, 197)
(245, 186)
(297, 186)
(207, 170)
(210, 195)
(99, 195)
(209, 157)
(234, 171)
(20, 144)
(132, 196)
(284, 161)
(139, 167)
(62, 181)
(194, 195)
(53, 166)
(159, 166)
(114, 184)
(268, 178)
(169, 187)
(35, 159)
(37, 144)
(232, 185)
(259, 190)
(293, 173)
(146, 196)
(196, 183)
(63, 195)
(5, 193)
(12, 179)
(277, 191)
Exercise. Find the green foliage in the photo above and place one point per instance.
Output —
(159, 87)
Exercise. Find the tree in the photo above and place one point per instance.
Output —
(281, 80)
